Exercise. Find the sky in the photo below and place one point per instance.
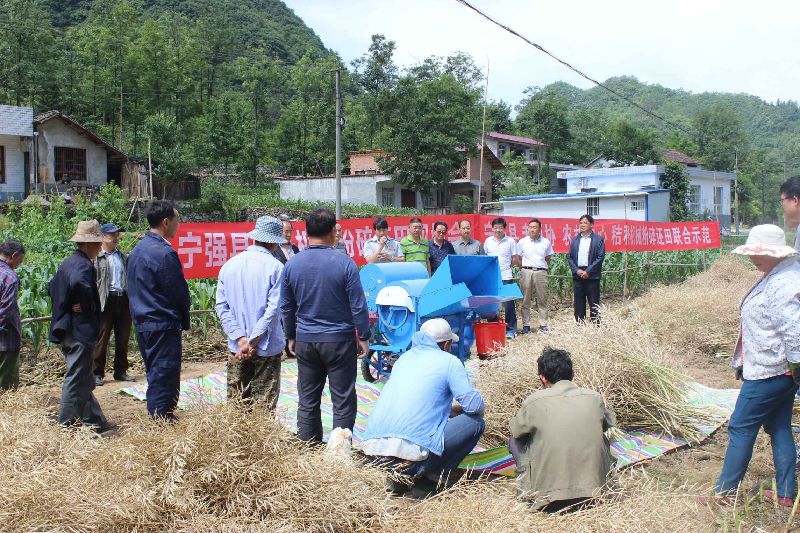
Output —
(733, 46)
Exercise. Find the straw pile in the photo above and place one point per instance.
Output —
(224, 470)
(701, 313)
(621, 360)
(218, 464)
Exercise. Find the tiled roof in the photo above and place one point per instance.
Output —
(16, 120)
(515, 139)
(680, 157)
(41, 118)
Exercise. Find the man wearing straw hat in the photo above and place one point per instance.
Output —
(766, 350)
(75, 325)
(248, 293)
(159, 301)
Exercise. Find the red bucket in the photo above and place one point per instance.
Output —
(489, 337)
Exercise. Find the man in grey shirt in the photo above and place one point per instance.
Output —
(790, 202)
(466, 245)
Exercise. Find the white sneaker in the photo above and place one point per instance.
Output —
(340, 442)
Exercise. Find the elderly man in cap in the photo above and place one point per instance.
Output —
(115, 315)
(159, 302)
(75, 324)
(416, 428)
(248, 293)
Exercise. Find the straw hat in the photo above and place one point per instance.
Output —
(268, 229)
(439, 330)
(766, 239)
(87, 231)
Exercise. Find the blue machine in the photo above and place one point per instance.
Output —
(401, 297)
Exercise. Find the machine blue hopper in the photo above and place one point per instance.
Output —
(463, 290)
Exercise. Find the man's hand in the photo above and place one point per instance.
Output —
(363, 348)
(796, 375)
(76, 308)
(740, 376)
(290, 346)
(580, 272)
(455, 409)
(584, 274)
(245, 350)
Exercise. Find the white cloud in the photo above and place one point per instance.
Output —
(698, 45)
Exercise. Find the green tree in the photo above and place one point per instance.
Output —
(432, 117)
(170, 161)
(628, 145)
(375, 74)
(543, 115)
(515, 179)
(719, 134)
(498, 117)
(677, 181)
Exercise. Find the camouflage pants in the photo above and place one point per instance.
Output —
(256, 380)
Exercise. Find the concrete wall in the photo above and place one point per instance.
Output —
(612, 179)
(56, 133)
(14, 187)
(355, 189)
(611, 207)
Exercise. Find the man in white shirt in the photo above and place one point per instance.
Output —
(790, 202)
(533, 255)
(503, 247)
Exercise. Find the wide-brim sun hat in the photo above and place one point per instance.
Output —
(767, 240)
(439, 330)
(268, 229)
(87, 231)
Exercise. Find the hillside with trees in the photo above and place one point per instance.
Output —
(247, 85)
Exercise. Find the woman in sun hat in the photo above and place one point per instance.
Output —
(769, 340)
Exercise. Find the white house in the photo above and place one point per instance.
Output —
(645, 205)
(368, 184)
(16, 134)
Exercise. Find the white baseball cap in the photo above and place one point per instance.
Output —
(439, 330)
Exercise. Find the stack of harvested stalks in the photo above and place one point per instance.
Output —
(701, 313)
(222, 469)
(620, 359)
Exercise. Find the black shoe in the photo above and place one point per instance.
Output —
(98, 381)
(526, 330)
(544, 329)
(398, 488)
(423, 488)
(124, 377)
(102, 429)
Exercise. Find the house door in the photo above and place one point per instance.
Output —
(26, 172)
(408, 199)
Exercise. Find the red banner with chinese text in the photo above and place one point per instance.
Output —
(204, 247)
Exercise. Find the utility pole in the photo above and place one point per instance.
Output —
(338, 146)
(477, 202)
(736, 187)
(121, 135)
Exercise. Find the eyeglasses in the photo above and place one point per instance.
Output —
(441, 231)
(780, 202)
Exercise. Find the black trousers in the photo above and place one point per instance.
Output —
(586, 290)
(78, 403)
(317, 361)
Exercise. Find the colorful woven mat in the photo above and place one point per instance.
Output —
(633, 447)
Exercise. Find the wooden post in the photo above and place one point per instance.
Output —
(624, 275)
(149, 169)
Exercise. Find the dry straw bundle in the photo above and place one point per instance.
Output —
(701, 313)
(621, 360)
(218, 465)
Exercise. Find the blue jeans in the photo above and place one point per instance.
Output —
(768, 403)
(461, 434)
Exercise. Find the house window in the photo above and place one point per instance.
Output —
(637, 205)
(2, 164)
(501, 150)
(694, 199)
(593, 206)
(70, 164)
(387, 197)
(718, 200)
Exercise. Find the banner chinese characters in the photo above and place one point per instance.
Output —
(204, 247)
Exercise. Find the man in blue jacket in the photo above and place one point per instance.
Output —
(415, 428)
(586, 253)
(159, 301)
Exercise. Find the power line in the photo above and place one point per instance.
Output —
(574, 69)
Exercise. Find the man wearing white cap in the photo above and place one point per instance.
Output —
(769, 340)
(415, 427)
(248, 292)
